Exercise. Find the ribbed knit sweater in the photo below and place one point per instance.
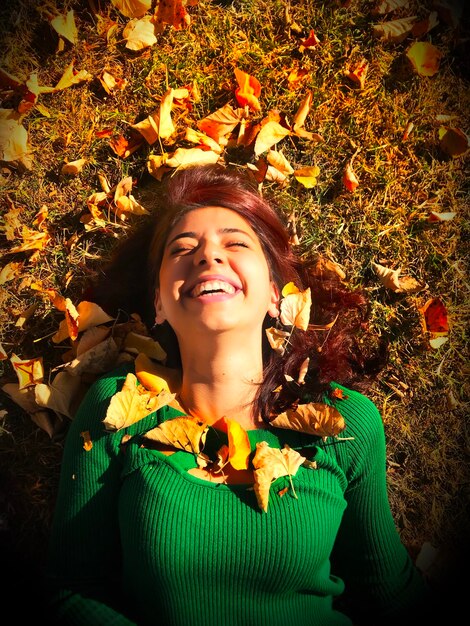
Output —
(136, 539)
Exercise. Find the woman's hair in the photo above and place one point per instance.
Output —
(337, 354)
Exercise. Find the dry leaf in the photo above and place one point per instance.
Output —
(24, 397)
(313, 418)
(238, 445)
(135, 343)
(9, 272)
(62, 395)
(424, 58)
(97, 360)
(87, 442)
(303, 110)
(65, 26)
(453, 141)
(248, 90)
(140, 34)
(278, 339)
(132, 8)
(110, 83)
(3, 354)
(395, 30)
(358, 74)
(350, 180)
(221, 123)
(435, 322)
(91, 338)
(270, 464)
(269, 135)
(386, 6)
(185, 157)
(441, 217)
(307, 176)
(71, 77)
(311, 41)
(132, 404)
(184, 433)
(392, 280)
(74, 167)
(14, 141)
(295, 308)
(203, 141)
(29, 371)
(424, 26)
(172, 12)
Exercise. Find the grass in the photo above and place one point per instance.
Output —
(423, 394)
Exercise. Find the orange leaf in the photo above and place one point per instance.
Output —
(350, 180)
(307, 176)
(29, 371)
(87, 442)
(238, 445)
(219, 124)
(248, 90)
(358, 74)
(310, 42)
(155, 376)
(172, 12)
(277, 339)
(435, 321)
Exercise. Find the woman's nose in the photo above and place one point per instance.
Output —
(208, 253)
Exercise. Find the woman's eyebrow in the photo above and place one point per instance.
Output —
(222, 231)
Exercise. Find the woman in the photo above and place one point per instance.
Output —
(148, 533)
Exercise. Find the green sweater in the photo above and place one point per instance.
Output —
(138, 540)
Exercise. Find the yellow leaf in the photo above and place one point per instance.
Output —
(14, 141)
(424, 57)
(183, 433)
(185, 157)
(295, 309)
(132, 404)
(278, 339)
(303, 110)
(132, 8)
(155, 376)
(70, 77)
(140, 34)
(313, 418)
(270, 464)
(238, 445)
(74, 167)
(269, 135)
(29, 371)
(65, 26)
(289, 288)
(307, 176)
(87, 442)
(279, 161)
(195, 136)
(9, 272)
(135, 343)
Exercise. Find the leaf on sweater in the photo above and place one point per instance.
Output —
(183, 433)
(238, 445)
(132, 404)
(155, 376)
(87, 442)
(314, 418)
(270, 464)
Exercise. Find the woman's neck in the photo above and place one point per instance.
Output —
(222, 380)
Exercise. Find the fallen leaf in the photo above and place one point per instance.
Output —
(23, 397)
(71, 77)
(295, 308)
(87, 442)
(311, 41)
(239, 448)
(270, 464)
(269, 135)
(185, 157)
(248, 90)
(74, 167)
(29, 371)
(435, 322)
(307, 176)
(91, 338)
(453, 141)
(202, 140)
(132, 404)
(386, 6)
(424, 58)
(140, 33)
(135, 343)
(172, 12)
(14, 140)
(132, 8)
(392, 280)
(313, 418)
(350, 180)
(62, 395)
(358, 74)
(278, 339)
(111, 83)
(441, 217)
(395, 30)
(99, 359)
(221, 123)
(10, 271)
(424, 26)
(65, 26)
(302, 112)
(183, 433)
(3, 354)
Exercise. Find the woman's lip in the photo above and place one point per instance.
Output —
(211, 277)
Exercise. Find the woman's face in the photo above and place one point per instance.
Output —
(214, 275)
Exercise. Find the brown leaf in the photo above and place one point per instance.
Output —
(453, 141)
(270, 464)
(183, 433)
(392, 280)
(395, 30)
(313, 418)
(74, 167)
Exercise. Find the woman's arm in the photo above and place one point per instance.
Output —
(83, 570)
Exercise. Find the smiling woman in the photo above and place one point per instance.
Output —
(238, 500)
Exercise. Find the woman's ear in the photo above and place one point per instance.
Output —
(273, 309)
(159, 313)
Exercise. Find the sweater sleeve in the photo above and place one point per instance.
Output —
(83, 569)
(382, 584)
